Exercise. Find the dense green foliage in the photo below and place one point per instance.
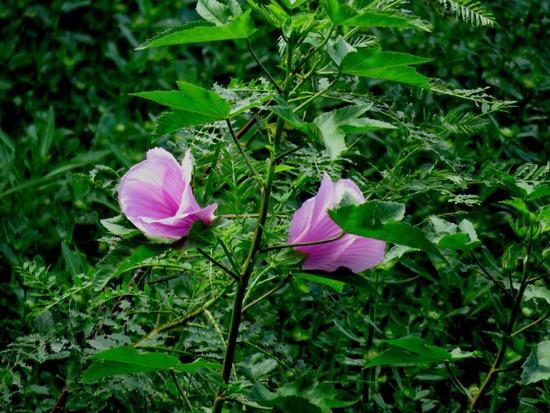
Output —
(440, 117)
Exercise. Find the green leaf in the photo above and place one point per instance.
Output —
(540, 191)
(123, 259)
(335, 280)
(470, 11)
(193, 106)
(338, 49)
(367, 221)
(333, 126)
(536, 291)
(127, 360)
(392, 66)
(115, 226)
(286, 112)
(300, 396)
(451, 236)
(47, 140)
(385, 18)
(537, 365)
(336, 285)
(409, 351)
(217, 12)
(543, 217)
(344, 15)
(142, 253)
(292, 4)
(239, 28)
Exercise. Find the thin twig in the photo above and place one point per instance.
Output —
(60, 400)
(536, 278)
(456, 381)
(267, 294)
(509, 327)
(312, 51)
(247, 404)
(492, 278)
(271, 79)
(229, 255)
(243, 154)
(532, 324)
(180, 390)
(180, 320)
(218, 264)
(304, 244)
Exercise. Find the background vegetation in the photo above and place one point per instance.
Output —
(69, 130)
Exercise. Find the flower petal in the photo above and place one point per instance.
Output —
(347, 187)
(153, 188)
(311, 223)
(362, 254)
(353, 252)
(187, 167)
(178, 226)
(312, 215)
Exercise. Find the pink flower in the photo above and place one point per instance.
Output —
(311, 223)
(156, 196)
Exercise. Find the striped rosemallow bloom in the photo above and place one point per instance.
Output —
(311, 223)
(156, 196)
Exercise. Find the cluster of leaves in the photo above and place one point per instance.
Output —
(460, 195)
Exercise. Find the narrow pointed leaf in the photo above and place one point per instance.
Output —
(193, 105)
(392, 66)
(239, 28)
(127, 360)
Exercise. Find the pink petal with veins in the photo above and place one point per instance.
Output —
(311, 223)
(156, 196)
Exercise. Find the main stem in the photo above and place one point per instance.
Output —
(248, 267)
(493, 371)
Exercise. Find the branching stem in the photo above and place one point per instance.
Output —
(507, 334)
(304, 244)
(267, 72)
(218, 264)
(243, 154)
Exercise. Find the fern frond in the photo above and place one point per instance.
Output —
(479, 96)
(470, 11)
(461, 124)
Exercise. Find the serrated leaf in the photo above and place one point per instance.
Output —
(286, 112)
(537, 365)
(361, 220)
(345, 15)
(193, 106)
(239, 28)
(456, 237)
(410, 351)
(127, 360)
(301, 396)
(393, 66)
(536, 291)
(338, 49)
(333, 126)
(217, 12)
